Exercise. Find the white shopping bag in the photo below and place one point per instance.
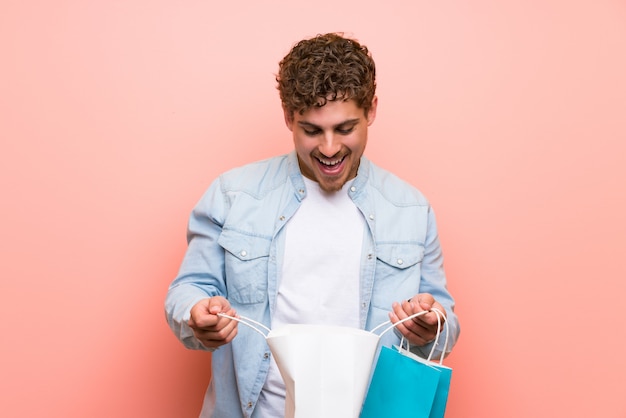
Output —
(326, 368)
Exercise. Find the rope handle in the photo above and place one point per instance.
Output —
(415, 315)
(249, 322)
(436, 341)
(256, 325)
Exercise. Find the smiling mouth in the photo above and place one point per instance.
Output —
(331, 163)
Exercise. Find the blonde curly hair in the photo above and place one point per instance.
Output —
(326, 68)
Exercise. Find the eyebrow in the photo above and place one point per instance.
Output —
(305, 124)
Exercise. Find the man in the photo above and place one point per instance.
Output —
(318, 236)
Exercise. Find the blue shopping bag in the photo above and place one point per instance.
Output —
(443, 386)
(400, 387)
(443, 389)
(405, 385)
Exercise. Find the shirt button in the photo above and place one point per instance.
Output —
(400, 261)
(301, 191)
(353, 189)
(364, 305)
(282, 218)
(372, 217)
(249, 405)
(369, 256)
(266, 355)
(243, 253)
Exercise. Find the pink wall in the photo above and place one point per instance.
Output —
(115, 116)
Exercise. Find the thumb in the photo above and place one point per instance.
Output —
(426, 301)
(218, 304)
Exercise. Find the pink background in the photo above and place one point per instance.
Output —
(116, 115)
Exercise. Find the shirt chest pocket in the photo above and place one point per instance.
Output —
(398, 272)
(245, 266)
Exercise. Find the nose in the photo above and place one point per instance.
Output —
(329, 145)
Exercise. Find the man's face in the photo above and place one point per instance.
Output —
(330, 141)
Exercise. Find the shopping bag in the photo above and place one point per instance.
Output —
(394, 391)
(443, 389)
(408, 386)
(434, 385)
(326, 369)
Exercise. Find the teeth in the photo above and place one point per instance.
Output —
(330, 163)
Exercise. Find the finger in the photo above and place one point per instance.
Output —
(396, 315)
(200, 319)
(213, 322)
(427, 320)
(426, 301)
(417, 325)
(218, 335)
(218, 304)
(414, 332)
(433, 319)
(403, 310)
(212, 340)
(199, 310)
(221, 334)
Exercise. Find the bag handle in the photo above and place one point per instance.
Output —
(249, 322)
(254, 325)
(436, 342)
(415, 315)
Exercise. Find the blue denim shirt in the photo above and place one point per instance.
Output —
(236, 244)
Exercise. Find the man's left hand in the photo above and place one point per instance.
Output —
(422, 329)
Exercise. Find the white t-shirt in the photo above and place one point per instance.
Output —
(319, 282)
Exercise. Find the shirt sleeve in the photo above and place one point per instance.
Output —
(433, 281)
(201, 274)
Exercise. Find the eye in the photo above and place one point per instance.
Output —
(345, 130)
(312, 132)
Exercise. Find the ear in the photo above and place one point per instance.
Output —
(371, 113)
(288, 118)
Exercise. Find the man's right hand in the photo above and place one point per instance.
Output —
(209, 328)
